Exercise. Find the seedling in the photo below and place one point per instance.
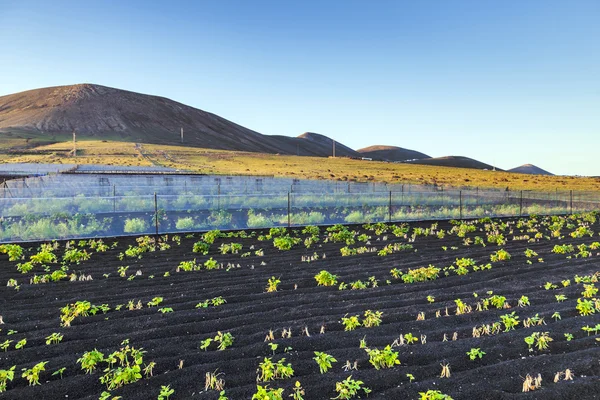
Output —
(474, 353)
(54, 338)
(324, 278)
(386, 358)
(90, 360)
(5, 345)
(263, 393)
(350, 323)
(6, 375)
(273, 347)
(510, 321)
(298, 392)
(155, 302)
(434, 395)
(349, 388)
(59, 372)
(33, 374)
(225, 340)
(165, 392)
(272, 284)
(268, 370)
(372, 319)
(21, 343)
(324, 361)
(539, 339)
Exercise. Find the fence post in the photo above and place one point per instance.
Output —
(521, 205)
(571, 196)
(156, 213)
(460, 203)
(390, 209)
(289, 215)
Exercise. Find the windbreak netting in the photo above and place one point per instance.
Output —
(74, 205)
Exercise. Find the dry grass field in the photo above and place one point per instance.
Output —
(229, 162)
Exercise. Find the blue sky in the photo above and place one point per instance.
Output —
(506, 82)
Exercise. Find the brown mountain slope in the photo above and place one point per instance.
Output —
(101, 112)
(530, 169)
(454, 161)
(391, 153)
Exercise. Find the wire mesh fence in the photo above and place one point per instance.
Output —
(106, 215)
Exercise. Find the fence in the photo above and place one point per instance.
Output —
(46, 218)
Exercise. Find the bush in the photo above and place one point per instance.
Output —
(135, 225)
(185, 224)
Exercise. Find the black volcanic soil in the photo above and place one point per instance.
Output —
(250, 313)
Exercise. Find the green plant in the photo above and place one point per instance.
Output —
(155, 302)
(409, 338)
(539, 339)
(14, 251)
(349, 388)
(272, 284)
(324, 361)
(266, 393)
(350, 323)
(204, 344)
(201, 247)
(165, 392)
(386, 358)
(5, 345)
(523, 301)
(21, 343)
(500, 255)
(89, 360)
(33, 374)
(434, 395)
(107, 396)
(298, 392)
(268, 370)
(75, 256)
(510, 321)
(474, 353)
(135, 225)
(54, 338)
(225, 340)
(569, 336)
(585, 307)
(324, 278)
(59, 372)
(285, 242)
(124, 366)
(372, 319)
(6, 375)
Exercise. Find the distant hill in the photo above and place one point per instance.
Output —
(104, 113)
(391, 153)
(530, 169)
(454, 161)
(314, 144)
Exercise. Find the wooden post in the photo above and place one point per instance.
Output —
(289, 210)
(156, 213)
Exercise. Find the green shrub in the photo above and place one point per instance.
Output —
(185, 224)
(135, 225)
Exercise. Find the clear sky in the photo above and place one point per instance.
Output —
(506, 82)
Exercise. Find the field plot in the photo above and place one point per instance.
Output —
(475, 310)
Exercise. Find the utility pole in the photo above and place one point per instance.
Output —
(181, 134)
(333, 147)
